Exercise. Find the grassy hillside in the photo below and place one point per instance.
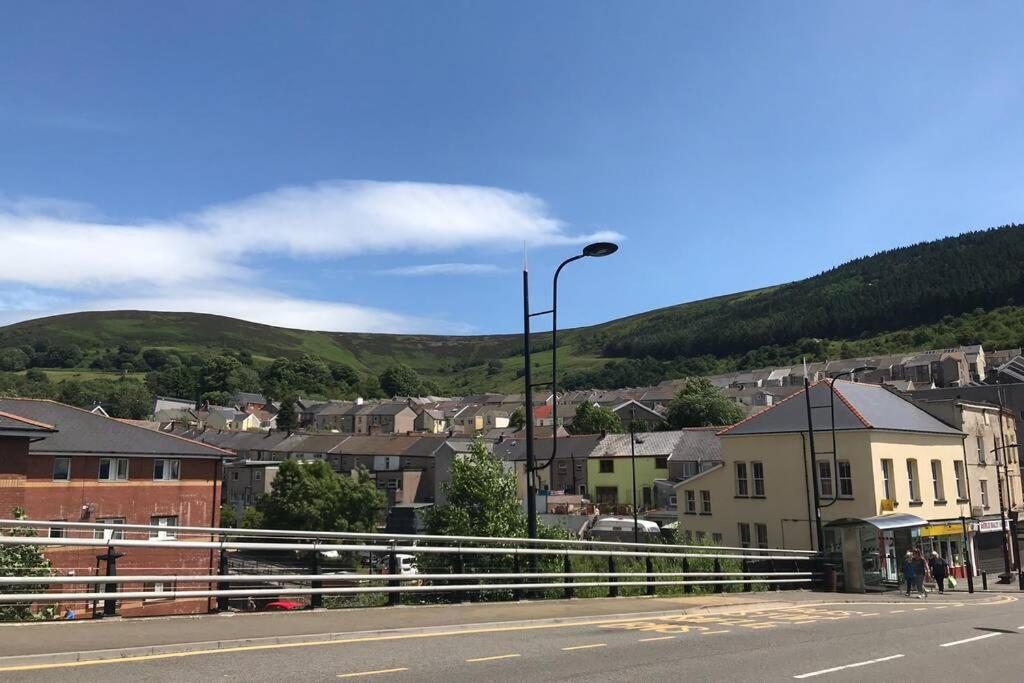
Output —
(958, 290)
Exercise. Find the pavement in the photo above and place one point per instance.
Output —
(789, 635)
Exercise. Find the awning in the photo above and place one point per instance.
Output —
(881, 522)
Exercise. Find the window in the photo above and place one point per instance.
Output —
(234, 475)
(981, 449)
(742, 485)
(705, 502)
(717, 539)
(112, 534)
(661, 463)
(758, 470)
(673, 502)
(762, 535)
(985, 415)
(113, 469)
(607, 466)
(937, 486)
(162, 522)
(583, 489)
(961, 483)
(825, 479)
(691, 503)
(563, 467)
(845, 475)
(701, 536)
(58, 531)
(997, 450)
(608, 494)
(984, 493)
(166, 470)
(61, 469)
(257, 475)
(744, 534)
(887, 479)
(915, 487)
(647, 496)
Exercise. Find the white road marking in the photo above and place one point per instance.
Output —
(848, 666)
(970, 640)
(897, 611)
(584, 647)
(651, 640)
(373, 673)
(490, 659)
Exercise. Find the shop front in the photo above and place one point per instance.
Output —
(989, 542)
(949, 540)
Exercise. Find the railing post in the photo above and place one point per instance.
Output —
(222, 570)
(394, 597)
(719, 587)
(460, 568)
(517, 568)
(649, 562)
(316, 600)
(613, 589)
(745, 567)
(567, 568)
(771, 570)
(687, 588)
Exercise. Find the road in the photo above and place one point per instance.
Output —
(942, 638)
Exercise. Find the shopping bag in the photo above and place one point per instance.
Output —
(951, 581)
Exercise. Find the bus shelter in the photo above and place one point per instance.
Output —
(873, 547)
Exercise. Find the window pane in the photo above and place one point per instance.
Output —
(122, 468)
(158, 469)
(62, 468)
(104, 468)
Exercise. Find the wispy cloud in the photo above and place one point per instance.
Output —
(444, 269)
(64, 247)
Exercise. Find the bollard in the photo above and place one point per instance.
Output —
(316, 600)
(984, 581)
(719, 587)
(747, 583)
(969, 570)
(567, 568)
(613, 589)
(1020, 580)
(687, 588)
(649, 562)
(394, 597)
(222, 570)
(517, 568)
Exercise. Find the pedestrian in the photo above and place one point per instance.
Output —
(908, 571)
(939, 569)
(920, 570)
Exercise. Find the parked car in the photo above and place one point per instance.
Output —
(620, 528)
(406, 565)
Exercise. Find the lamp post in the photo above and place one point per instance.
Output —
(1003, 531)
(597, 250)
(632, 462)
(832, 425)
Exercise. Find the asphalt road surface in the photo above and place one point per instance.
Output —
(928, 640)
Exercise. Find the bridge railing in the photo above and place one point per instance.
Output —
(456, 567)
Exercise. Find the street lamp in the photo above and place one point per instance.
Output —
(832, 422)
(596, 250)
(1005, 577)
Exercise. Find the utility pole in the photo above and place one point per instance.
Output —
(819, 532)
(632, 460)
(531, 461)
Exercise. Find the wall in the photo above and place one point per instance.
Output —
(622, 477)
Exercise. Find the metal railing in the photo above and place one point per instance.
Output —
(716, 567)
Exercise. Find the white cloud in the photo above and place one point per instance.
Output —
(66, 250)
(444, 269)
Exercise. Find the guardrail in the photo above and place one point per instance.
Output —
(554, 564)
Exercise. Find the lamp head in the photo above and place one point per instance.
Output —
(600, 249)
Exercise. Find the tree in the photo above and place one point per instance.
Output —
(493, 367)
(287, 416)
(400, 380)
(228, 517)
(702, 404)
(593, 419)
(23, 560)
(225, 373)
(482, 499)
(156, 359)
(130, 400)
(517, 420)
(343, 374)
(179, 381)
(313, 497)
(13, 360)
(37, 375)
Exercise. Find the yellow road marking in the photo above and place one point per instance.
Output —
(806, 621)
(373, 673)
(870, 614)
(898, 611)
(491, 659)
(714, 633)
(584, 647)
(651, 640)
(920, 609)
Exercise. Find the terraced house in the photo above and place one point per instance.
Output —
(895, 476)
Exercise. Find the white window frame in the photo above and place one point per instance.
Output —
(257, 475)
(757, 474)
(744, 534)
(691, 502)
(705, 502)
(913, 480)
(163, 520)
(938, 485)
(115, 534)
(742, 479)
(983, 483)
(980, 440)
(961, 480)
(169, 466)
(62, 458)
(825, 476)
(761, 535)
(887, 491)
(113, 467)
(841, 480)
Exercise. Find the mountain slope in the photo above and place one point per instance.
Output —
(962, 289)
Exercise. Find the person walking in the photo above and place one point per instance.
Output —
(908, 571)
(920, 571)
(940, 569)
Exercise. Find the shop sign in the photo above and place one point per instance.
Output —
(987, 525)
(951, 529)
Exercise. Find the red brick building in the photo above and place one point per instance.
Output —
(61, 463)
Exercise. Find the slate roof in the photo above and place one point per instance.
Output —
(17, 423)
(683, 444)
(80, 431)
(857, 406)
(572, 446)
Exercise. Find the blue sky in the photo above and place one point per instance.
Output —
(379, 166)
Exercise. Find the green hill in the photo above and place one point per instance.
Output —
(957, 290)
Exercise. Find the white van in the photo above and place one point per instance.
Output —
(620, 528)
